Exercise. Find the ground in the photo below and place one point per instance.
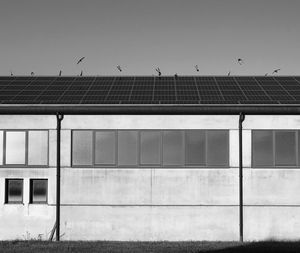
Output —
(147, 247)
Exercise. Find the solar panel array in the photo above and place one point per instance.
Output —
(150, 90)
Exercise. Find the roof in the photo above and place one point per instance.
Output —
(148, 91)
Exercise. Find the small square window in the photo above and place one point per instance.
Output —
(38, 191)
(14, 191)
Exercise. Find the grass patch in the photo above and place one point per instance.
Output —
(147, 247)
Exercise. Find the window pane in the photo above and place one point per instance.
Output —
(14, 191)
(285, 148)
(39, 190)
(105, 148)
(127, 147)
(217, 148)
(37, 147)
(82, 146)
(1, 147)
(150, 148)
(195, 147)
(173, 147)
(15, 148)
(262, 148)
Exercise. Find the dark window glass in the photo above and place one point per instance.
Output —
(14, 191)
(195, 147)
(38, 190)
(285, 148)
(105, 148)
(150, 148)
(173, 148)
(262, 141)
(82, 146)
(127, 148)
(217, 148)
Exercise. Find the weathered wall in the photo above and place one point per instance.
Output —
(155, 203)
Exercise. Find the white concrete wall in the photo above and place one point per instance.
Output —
(155, 203)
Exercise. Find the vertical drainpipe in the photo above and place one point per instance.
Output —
(59, 118)
(241, 119)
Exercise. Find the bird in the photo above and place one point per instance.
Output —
(197, 69)
(11, 73)
(229, 73)
(80, 60)
(81, 73)
(266, 74)
(176, 76)
(240, 61)
(119, 68)
(275, 71)
(32, 73)
(60, 73)
(158, 71)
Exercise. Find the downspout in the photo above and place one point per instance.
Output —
(241, 119)
(59, 118)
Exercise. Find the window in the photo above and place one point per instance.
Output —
(105, 148)
(82, 148)
(24, 148)
(145, 148)
(150, 148)
(128, 148)
(272, 148)
(14, 191)
(38, 191)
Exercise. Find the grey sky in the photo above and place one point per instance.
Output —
(45, 36)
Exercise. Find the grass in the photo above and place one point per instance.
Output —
(34, 246)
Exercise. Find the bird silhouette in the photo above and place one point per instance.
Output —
(158, 71)
(60, 73)
(32, 73)
(229, 73)
(197, 69)
(11, 73)
(176, 76)
(81, 73)
(80, 60)
(240, 61)
(119, 68)
(266, 74)
(275, 71)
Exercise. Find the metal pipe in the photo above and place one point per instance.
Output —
(150, 109)
(59, 118)
(241, 119)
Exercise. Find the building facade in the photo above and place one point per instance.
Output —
(152, 176)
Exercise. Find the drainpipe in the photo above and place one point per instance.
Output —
(59, 118)
(241, 119)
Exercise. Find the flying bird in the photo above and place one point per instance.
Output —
(275, 71)
(197, 69)
(32, 73)
(229, 73)
(80, 60)
(158, 71)
(240, 61)
(60, 73)
(119, 68)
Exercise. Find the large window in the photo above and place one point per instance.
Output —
(275, 148)
(150, 148)
(24, 148)
(14, 191)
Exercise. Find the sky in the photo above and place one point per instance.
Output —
(140, 35)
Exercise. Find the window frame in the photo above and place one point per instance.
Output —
(274, 166)
(25, 165)
(158, 166)
(6, 202)
(31, 192)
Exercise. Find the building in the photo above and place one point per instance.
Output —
(150, 158)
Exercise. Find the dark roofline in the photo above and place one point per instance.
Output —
(150, 109)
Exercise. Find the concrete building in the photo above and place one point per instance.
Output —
(149, 158)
